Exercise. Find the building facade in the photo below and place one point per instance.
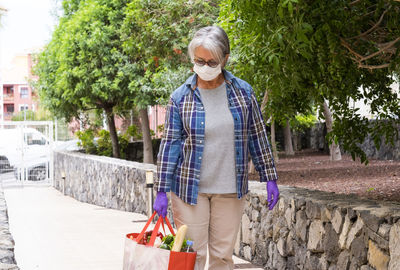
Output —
(16, 93)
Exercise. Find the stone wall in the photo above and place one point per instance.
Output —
(319, 230)
(306, 230)
(108, 182)
(7, 258)
(315, 139)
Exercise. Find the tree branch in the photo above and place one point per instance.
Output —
(355, 2)
(389, 44)
(374, 67)
(373, 27)
(360, 58)
(345, 44)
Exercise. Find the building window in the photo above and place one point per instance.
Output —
(24, 92)
(23, 107)
(10, 108)
(9, 90)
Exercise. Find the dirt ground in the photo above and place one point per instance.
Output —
(380, 179)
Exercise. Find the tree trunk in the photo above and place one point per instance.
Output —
(294, 140)
(288, 139)
(334, 149)
(113, 132)
(273, 141)
(147, 143)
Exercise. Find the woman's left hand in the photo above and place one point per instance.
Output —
(273, 194)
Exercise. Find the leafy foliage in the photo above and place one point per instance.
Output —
(156, 35)
(98, 142)
(294, 49)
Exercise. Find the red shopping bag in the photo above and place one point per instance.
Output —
(147, 257)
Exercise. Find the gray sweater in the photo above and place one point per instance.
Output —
(217, 174)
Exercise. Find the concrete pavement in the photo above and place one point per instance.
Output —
(56, 232)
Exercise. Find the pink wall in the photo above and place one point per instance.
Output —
(16, 99)
(157, 118)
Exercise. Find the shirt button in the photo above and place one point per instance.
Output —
(199, 157)
(201, 108)
(202, 123)
(200, 141)
(198, 175)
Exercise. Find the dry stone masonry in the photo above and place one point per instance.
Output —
(7, 257)
(306, 230)
(319, 230)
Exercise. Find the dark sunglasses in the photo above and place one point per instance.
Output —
(210, 63)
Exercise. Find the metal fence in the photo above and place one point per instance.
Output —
(26, 152)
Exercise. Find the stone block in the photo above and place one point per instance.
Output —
(323, 264)
(370, 220)
(331, 243)
(255, 215)
(281, 246)
(354, 232)
(366, 267)
(290, 263)
(301, 225)
(7, 266)
(384, 230)
(326, 214)
(281, 206)
(343, 262)
(394, 247)
(344, 233)
(377, 239)
(332, 267)
(247, 253)
(237, 243)
(277, 228)
(376, 257)
(313, 211)
(291, 245)
(301, 256)
(245, 229)
(289, 216)
(312, 262)
(253, 239)
(337, 221)
(358, 251)
(315, 236)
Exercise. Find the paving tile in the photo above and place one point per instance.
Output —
(56, 232)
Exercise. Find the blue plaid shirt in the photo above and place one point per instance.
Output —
(181, 149)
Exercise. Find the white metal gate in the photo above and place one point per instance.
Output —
(26, 152)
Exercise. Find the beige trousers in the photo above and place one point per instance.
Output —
(214, 223)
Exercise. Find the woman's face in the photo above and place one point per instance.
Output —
(203, 55)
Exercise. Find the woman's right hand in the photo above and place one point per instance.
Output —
(161, 204)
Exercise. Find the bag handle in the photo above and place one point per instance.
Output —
(155, 230)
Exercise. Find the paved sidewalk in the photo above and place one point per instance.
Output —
(56, 232)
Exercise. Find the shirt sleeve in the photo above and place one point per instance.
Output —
(169, 152)
(259, 147)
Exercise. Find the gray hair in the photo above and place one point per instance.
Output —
(212, 38)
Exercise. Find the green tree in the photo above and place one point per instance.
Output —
(157, 34)
(84, 67)
(320, 52)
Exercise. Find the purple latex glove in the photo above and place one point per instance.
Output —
(273, 194)
(161, 204)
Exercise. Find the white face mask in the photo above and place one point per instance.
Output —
(207, 73)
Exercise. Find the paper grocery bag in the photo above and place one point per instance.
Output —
(147, 257)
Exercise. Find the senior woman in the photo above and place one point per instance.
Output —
(213, 123)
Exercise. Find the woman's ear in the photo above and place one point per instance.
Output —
(226, 59)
